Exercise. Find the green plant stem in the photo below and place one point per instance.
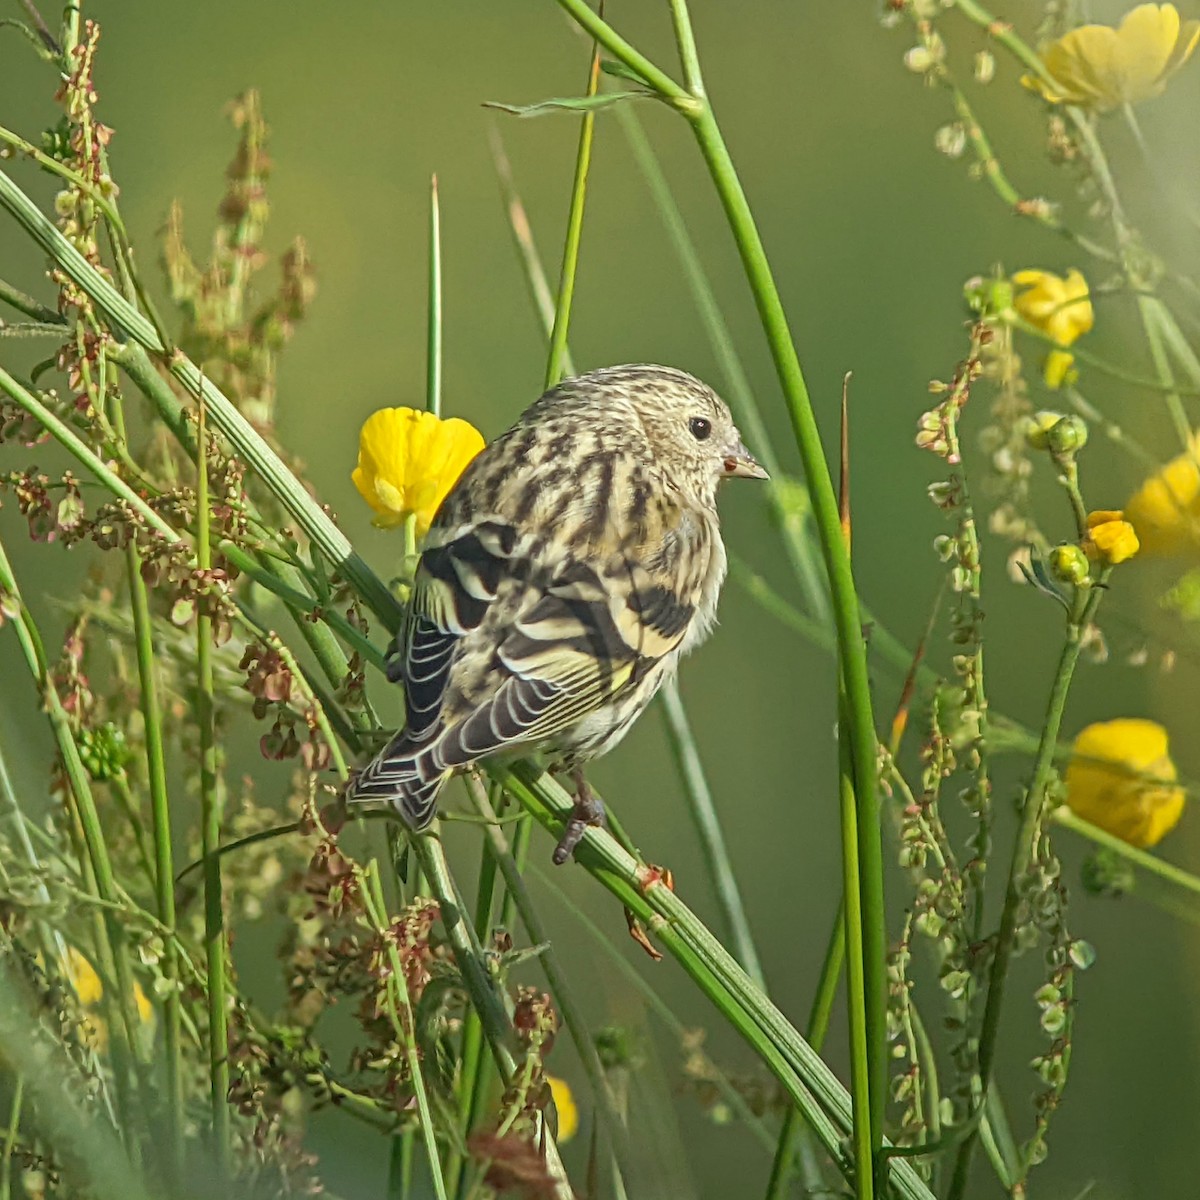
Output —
(856, 713)
(1149, 311)
(813, 1087)
(433, 351)
(160, 818)
(616, 45)
(1141, 859)
(1022, 853)
(1102, 365)
(703, 812)
(796, 539)
(17, 299)
(210, 825)
(655, 1003)
(555, 975)
(856, 988)
(818, 1025)
(399, 1006)
(485, 999)
(570, 260)
(471, 1061)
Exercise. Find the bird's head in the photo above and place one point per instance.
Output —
(690, 430)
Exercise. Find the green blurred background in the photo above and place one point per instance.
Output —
(871, 234)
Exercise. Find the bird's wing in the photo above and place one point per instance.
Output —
(456, 581)
(577, 642)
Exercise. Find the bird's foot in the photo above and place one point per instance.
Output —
(587, 813)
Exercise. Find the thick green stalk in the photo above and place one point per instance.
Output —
(1022, 854)
(822, 1098)
(210, 826)
(818, 1025)
(856, 993)
(792, 525)
(708, 826)
(856, 713)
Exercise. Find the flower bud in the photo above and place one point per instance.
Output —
(990, 297)
(1067, 435)
(1069, 564)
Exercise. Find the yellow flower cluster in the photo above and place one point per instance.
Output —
(1061, 309)
(408, 460)
(1165, 510)
(1110, 537)
(1101, 68)
(1122, 779)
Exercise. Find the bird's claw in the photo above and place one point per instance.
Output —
(588, 813)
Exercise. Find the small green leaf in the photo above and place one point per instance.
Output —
(620, 71)
(569, 104)
(182, 611)
(1035, 573)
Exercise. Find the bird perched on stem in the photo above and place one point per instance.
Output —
(575, 561)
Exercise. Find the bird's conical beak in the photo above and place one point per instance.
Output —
(741, 464)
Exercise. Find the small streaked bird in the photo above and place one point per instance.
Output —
(577, 559)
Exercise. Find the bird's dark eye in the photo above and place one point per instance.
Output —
(701, 427)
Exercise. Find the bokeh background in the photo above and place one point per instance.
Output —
(871, 233)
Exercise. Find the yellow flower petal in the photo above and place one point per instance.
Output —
(408, 460)
(83, 978)
(565, 1106)
(1102, 68)
(1165, 510)
(1110, 538)
(1121, 778)
(1057, 369)
(1060, 308)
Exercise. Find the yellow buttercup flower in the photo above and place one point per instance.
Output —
(1121, 778)
(1101, 68)
(1110, 537)
(408, 460)
(1165, 510)
(1060, 308)
(89, 989)
(565, 1106)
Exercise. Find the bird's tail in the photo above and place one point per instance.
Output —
(405, 776)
